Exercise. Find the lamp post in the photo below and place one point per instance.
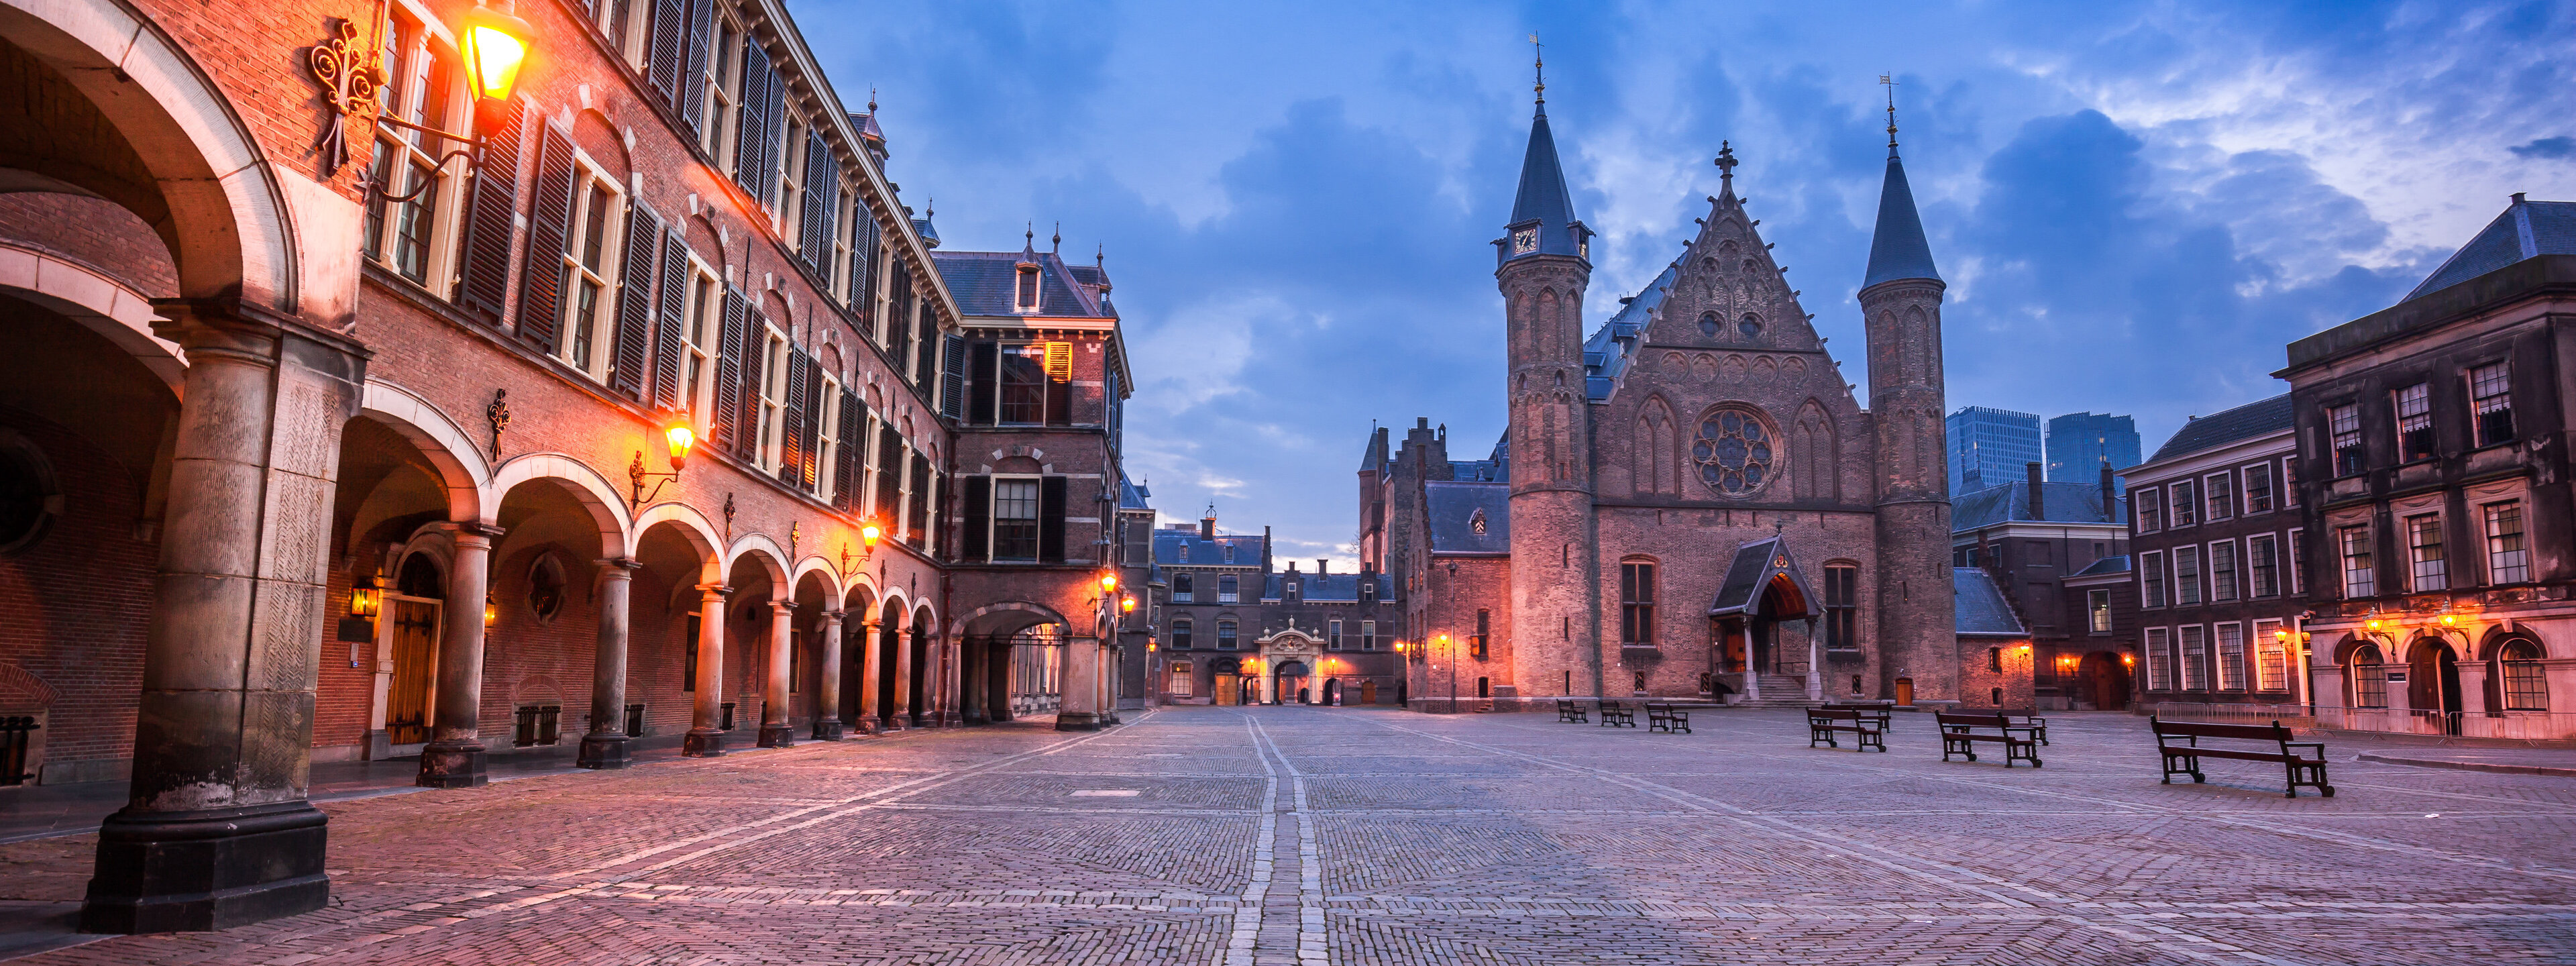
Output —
(494, 47)
(681, 439)
(1450, 649)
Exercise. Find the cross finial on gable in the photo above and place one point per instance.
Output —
(1890, 82)
(1540, 54)
(1726, 161)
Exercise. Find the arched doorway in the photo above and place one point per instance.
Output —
(1289, 683)
(1333, 691)
(2433, 686)
(413, 610)
(2103, 681)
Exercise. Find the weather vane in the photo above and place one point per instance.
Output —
(1889, 80)
(1540, 88)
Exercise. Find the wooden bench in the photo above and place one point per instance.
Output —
(1959, 737)
(1570, 712)
(1823, 722)
(2184, 758)
(1616, 715)
(1876, 714)
(1666, 718)
(2028, 722)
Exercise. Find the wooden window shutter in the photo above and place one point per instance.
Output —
(822, 202)
(952, 376)
(755, 374)
(791, 436)
(749, 164)
(917, 523)
(1059, 368)
(1051, 519)
(983, 376)
(700, 26)
(549, 228)
(485, 290)
(926, 363)
(845, 458)
(863, 263)
(728, 401)
(635, 302)
(813, 401)
(979, 518)
(665, 49)
(773, 127)
(670, 324)
(889, 476)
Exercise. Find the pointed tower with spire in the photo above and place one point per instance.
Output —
(1900, 300)
(1543, 266)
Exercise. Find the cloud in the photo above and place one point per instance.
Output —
(2557, 147)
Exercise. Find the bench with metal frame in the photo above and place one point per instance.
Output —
(1616, 715)
(2028, 722)
(1959, 737)
(1876, 714)
(1662, 716)
(1570, 711)
(1822, 723)
(2184, 759)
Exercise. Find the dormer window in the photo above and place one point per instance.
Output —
(1477, 522)
(1028, 291)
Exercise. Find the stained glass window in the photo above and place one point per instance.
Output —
(1733, 451)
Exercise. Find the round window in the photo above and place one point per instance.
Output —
(1708, 323)
(1734, 452)
(1751, 325)
(546, 587)
(29, 499)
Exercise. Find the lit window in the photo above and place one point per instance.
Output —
(2491, 402)
(2271, 657)
(590, 272)
(2369, 678)
(1180, 686)
(2345, 423)
(2414, 423)
(2358, 578)
(2507, 562)
(2098, 604)
(2424, 553)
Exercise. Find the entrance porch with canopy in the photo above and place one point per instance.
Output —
(1763, 589)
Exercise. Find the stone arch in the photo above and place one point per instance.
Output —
(606, 506)
(22, 690)
(693, 527)
(814, 563)
(2491, 644)
(459, 461)
(177, 156)
(765, 551)
(96, 302)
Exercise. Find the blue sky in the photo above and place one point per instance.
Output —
(2136, 206)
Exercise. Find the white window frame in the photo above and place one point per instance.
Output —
(2253, 571)
(2245, 488)
(2234, 587)
(2182, 497)
(2271, 658)
(600, 329)
(2399, 417)
(993, 513)
(425, 44)
(2210, 505)
(2488, 538)
(2154, 498)
(2151, 574)
(2478, 407)
(2416, 581)
(2293, 559)
(723, 91)
(2344, 557)
(1333, 634)
(1368, 635)
(790, 210)
(841, 283)
(774, 362)
(2158, 642)
(2097, 610)
(628, 41)
(701, 326)
(827, 436)
(2191, 662)
(2230, 670)
(2198, 589)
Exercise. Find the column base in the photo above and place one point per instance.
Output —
(204, 870)
(1078, 721)
(452, 764)
(777, 736)
(606, 750)
(828, 729)
(703, 743)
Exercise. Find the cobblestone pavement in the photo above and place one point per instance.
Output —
(1235, 837)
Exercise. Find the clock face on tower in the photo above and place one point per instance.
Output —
(1524, 241)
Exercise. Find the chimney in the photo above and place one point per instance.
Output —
(1207, 525)
(1265, 549)
(2110, 500)
(1323, 566)
(2038, 504)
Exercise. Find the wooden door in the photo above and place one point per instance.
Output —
(415, 666)
(1368, 692)
(1905, 692)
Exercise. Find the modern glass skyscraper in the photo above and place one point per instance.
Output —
(2078, 444)
(1990, 447)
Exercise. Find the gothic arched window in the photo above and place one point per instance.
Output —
(1734, 451)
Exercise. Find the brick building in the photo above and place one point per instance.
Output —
(2433, 474)
(2216, 544)
(2030, 537)
(1646, 461)
(326, 438)
(1237, 627)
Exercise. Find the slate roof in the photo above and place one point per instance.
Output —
(986, 283)
(1754, 567)
(1453, 509)
(929, 234)
(1132, 496)
(2259, 418)
(1328, 588)
(1897, 250)
(2526, 229)
(2065, 503)
(1608, 351)
(1543, 198)
(1373, 457)
(1982, 608)
(2106, 565)
(1205, 553)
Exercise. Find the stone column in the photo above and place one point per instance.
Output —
(775, 701)
(998, 659)
(454, 756)
(872, 658)
(606, 744)
(899, 714)
(216, 830)
(1079, 709)
(952, 678)
(706, 724)
(827, 695)
(1815, 665)
(971, 700)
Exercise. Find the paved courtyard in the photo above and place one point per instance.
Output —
(1281, 835)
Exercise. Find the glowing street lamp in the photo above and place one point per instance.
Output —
(681, 439)
(495, 47)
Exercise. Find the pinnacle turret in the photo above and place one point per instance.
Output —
(1543, 221)
(1898, 250)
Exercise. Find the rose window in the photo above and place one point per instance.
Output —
(1733, 451)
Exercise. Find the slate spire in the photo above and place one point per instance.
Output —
(1897, 250)
(1543, 208)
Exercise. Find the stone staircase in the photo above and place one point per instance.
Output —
(1782, 691)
